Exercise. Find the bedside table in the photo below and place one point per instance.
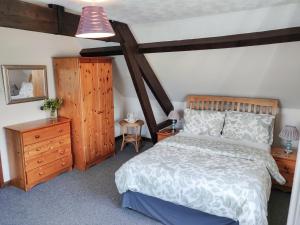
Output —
(286, 164)
(167, 132)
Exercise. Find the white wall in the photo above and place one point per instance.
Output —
(271, 71)
(31, 48)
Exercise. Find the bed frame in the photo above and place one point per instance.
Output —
(240, 104)
(170, 213)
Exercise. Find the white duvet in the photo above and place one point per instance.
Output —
(211, 175)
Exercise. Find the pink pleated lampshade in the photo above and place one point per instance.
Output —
(94, 23)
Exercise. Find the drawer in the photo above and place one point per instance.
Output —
(36, 175)
(286, 166)
(45, 133)
(45, 146)
(48, 157)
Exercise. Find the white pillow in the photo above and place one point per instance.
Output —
(26, 90)
(203, 122)
(257, 128)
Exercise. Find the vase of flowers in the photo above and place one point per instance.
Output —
(52, 105)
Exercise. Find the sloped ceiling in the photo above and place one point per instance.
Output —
(138, 11)
(271, 71)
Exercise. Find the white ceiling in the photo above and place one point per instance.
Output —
(145, 11)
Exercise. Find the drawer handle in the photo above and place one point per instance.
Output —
(63, 164)
(60, 130)
(38, 149)
(51, 147)
(40, 161)
(62, 152)
(41, 173)
(37, 136)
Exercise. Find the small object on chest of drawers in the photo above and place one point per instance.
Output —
(167, 132)
(286, 164)
(39, 150)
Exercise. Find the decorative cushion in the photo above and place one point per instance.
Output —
(203, 122)
(257, 128)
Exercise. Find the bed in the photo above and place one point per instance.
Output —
(220, 175)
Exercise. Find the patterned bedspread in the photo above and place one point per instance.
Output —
(211, 175)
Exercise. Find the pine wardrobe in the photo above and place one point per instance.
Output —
(85, 85)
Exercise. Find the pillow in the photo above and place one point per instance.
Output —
(203, 122)
(26, 90)
(257, 128)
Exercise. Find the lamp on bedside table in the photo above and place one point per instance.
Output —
(289, 133)
(174, 116)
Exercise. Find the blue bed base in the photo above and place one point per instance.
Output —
(169, 213)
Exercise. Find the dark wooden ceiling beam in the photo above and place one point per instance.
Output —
(140, 71)
(129, 48)
(154, 84)
(53, 19)
(27, 16)
(230, 41)
(105, 51)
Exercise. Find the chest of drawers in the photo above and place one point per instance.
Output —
(38, 151)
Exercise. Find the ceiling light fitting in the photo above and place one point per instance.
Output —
(94, 23)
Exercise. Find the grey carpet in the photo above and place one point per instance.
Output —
(91, 198)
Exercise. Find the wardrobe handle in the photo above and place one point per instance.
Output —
(37, 136)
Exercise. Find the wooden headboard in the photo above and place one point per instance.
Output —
(222, 103)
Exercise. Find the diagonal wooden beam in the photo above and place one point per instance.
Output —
(154, 84)
(53, 19)
(129, 49)
(229, 41)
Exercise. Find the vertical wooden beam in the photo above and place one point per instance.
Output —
(129, 47)
(60, 10)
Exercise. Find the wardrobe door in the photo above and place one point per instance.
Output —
(109, 141)
(90, 117)
(68, 87)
